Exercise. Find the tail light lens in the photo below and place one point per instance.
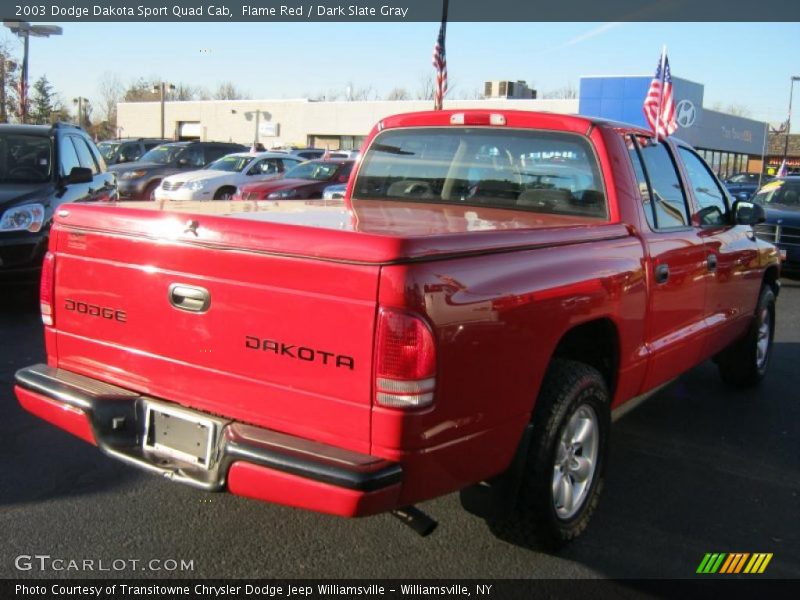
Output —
(405, 375)
(47, 288)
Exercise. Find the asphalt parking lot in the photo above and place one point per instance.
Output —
(698, 468)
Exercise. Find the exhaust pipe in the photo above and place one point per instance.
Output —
(416, 519)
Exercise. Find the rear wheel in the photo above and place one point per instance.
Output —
(563, 476)
(745, 363)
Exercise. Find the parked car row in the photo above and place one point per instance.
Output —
(220, 179)
(42, 167)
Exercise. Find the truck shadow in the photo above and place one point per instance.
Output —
(38, 461)
(699, 468)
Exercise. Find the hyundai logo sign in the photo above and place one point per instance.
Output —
(686, 113)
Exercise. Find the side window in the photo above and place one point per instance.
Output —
(194, 157)
(98, 158)
(266, 166)
(711, 203)
(215, 152)
(346, 169)
(665, 203)
(84, 154)
(130, 152)
(67, 157)
(289, 163)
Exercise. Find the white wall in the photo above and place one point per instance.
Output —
(225, 120)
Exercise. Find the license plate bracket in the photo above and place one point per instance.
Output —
(180, 434)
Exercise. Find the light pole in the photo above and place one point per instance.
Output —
(25, 30)
(789, 119)
(82, 103)
(249, 116)
(162, 88)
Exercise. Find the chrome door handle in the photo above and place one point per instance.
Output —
(189, 297)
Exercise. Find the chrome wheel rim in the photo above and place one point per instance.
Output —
(764, 334)
(575, 461)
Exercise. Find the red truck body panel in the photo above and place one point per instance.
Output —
(288, 343)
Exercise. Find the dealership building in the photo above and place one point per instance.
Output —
(728, 142)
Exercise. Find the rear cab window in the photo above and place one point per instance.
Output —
(662, 193)
(531, 170)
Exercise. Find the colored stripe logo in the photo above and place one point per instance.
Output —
(733, 563)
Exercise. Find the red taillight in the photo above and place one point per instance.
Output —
(405, 374)
(46, 288)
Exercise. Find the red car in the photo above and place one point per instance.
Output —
(495, 287)
(306, 180)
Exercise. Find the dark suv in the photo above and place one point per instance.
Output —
(127, 150)
(139, 180)
(42, 167)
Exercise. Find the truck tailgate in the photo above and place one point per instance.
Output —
(284, 343)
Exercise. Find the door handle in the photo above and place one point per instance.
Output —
(711, 261)
(662, 273)
(189, 297)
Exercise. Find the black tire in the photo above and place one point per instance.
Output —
(150, 191)
(742, 364)
(569, 387)
(224, 193)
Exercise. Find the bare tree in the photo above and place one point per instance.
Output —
(140, 90)
(228, 91)
(737, 110)
(185, 92)
(398, 93)
(473, 94)
(566, 92)
(425, 87)
(10, 91)
(355, 92)
(111, 93)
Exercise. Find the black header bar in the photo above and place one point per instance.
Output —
(399, 10)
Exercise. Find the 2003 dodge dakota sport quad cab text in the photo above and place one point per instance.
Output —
(492, 287)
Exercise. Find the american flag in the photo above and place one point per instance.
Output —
(440, 63)
(659, 106)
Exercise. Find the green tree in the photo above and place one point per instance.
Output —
(42, 102)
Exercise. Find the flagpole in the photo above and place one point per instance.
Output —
(438, 102)
(763, 154)
(661, 90)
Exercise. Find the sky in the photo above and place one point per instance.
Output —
(744, 64)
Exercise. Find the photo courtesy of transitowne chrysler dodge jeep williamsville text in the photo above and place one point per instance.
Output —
(492, 287)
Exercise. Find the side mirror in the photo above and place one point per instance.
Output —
(80, 175)
(748, 213)
(343, 178)
(183, 163)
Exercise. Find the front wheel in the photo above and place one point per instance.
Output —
(225, 193)
(563, 476)
(150, 191)
(745, 363)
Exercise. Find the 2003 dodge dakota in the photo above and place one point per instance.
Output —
(495, 284)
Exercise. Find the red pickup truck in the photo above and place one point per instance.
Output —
(494, 285)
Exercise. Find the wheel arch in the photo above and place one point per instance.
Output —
(771, 278)
(224, 187)
(595, 343)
